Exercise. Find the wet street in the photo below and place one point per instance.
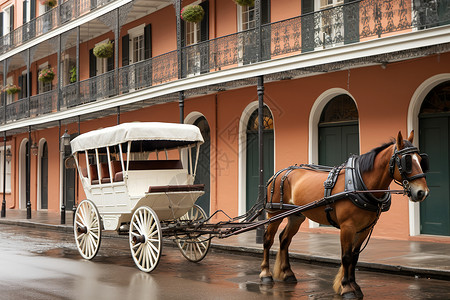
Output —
(44, 264)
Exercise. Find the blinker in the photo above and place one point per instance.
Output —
(425, 162)
(406, 163)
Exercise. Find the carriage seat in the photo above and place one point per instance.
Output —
(155, 164)
(176, 188)
(94, 174)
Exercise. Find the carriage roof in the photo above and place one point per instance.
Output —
(153, 136)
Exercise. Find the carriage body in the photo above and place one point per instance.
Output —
(131, 165)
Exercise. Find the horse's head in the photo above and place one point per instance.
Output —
(408, 167)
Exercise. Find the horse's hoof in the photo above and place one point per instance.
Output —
(349, 295)
(359, 294)
(290, 279)
(267, 280)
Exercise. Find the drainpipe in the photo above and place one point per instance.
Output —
(28, 175)
(4, 177)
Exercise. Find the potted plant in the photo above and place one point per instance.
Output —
(49, 3)
(73, 74)
(104, 50)
(12, 89)
(192, 13)
(245, 2)
(46, 75)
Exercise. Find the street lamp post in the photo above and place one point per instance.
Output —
(64, 143)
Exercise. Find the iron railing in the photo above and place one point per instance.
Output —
(345, 24)
(50, 20)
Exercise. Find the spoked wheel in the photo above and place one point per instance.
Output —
(145, 239)
(87, 229)
(194, 247)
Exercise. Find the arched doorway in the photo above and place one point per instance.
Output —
(252, 159)
(44, 176)
(203, 168)
(434, 130)
(338, 131)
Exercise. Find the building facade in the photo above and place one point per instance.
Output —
(339, 78)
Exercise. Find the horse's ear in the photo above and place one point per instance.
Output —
(400, 143)
(411, 136)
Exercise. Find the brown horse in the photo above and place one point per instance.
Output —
(398, 160)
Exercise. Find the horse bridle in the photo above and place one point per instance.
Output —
(403, 160)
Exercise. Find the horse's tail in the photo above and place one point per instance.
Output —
(337, 280)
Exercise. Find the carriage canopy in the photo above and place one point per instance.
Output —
(153, 136)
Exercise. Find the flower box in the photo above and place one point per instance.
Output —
(12, 89)
(245, 2)
(49, 3)
(192, 13)
(46, 75)
(104, 50)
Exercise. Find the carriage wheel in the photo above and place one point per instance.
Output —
(145, 239)
(87, 229)
(195, 247)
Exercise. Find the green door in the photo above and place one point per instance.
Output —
(253, 164)
(435, 210)
(337, 143)
(203, 167)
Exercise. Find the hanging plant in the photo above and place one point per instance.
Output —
(104, 50)
(192, 13)
(245, 2)
(12, 89)
(46, 75)
(73, 74)
(49, 3)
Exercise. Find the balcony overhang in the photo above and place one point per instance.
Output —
(388, 49)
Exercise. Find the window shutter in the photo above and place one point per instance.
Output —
(204, 25)
(31, 84)
(110, 60)
(21, 85)
(265, 11)
(307, 6)
(1, 23)
(24, 18)
(125, 50)
(92, 64)
(37, 82)
(11, 18)
(148, 41)
(32, 9)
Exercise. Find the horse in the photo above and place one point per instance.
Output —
(397, 160)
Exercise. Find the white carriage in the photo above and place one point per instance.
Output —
(136, 177)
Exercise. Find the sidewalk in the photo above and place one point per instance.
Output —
(425, 259)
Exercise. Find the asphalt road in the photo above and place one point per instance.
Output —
(37, 264)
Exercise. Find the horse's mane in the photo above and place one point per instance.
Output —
(366, 160)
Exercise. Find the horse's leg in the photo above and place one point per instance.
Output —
(350, 247)
(282, 269)
(269, 235)
(347, 237)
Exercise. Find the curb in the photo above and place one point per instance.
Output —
(319, 260)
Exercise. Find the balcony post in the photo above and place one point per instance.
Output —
(258, 29)
(78, 63)
(4, 176)
(177, 5)
(58, 75)
(5, 70)
(261, 187)
(181, 105)
(28, 87)
(28, 175)
(116, 52)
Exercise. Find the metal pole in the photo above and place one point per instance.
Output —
(63, 207)
(58, 72)
(28, 87)
(4, 177)
(28, 179)
(177, 5)
(261, 189)
(181, 105)
(118, 115)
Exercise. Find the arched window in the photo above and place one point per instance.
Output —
(338, 131)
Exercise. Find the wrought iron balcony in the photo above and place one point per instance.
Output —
(50, 20)
(345, 24)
